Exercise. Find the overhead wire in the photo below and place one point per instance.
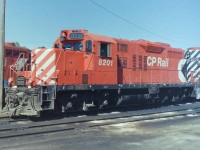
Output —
(136, 25)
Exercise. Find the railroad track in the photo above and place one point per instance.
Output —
(5, 119)
(2, 115)
(78, 123)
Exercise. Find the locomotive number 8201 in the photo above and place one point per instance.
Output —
(105, 62)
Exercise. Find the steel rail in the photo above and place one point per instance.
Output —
(89, 122)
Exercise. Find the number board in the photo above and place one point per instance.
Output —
(76, 36)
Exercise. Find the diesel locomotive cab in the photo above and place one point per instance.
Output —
(71, 40)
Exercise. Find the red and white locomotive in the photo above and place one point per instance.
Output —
(85, 70)
(15, 57)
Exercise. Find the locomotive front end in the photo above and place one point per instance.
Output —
(35, 89)
(32, 93)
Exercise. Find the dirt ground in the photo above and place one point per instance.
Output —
(179, 133)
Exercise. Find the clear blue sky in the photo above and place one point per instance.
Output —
(35, 23)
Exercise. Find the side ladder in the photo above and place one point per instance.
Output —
(48, 96)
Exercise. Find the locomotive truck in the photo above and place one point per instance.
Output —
(86, 71)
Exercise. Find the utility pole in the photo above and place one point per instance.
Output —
(2, 43)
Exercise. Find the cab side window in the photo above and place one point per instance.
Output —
(9, 53)
(88, 46)
(57, 46)
(15, 53)
(104, 50)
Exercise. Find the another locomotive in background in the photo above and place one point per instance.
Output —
(15, 57)
(85, 70)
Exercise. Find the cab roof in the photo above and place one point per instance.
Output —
(101, 38)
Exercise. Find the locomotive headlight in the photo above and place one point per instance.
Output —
(63, 36)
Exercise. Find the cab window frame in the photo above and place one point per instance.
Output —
(88, 44)
(104, 49)
(73, 46)
(122, 47)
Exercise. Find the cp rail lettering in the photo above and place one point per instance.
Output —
(154, 61)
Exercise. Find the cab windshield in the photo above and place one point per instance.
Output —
(78, 46)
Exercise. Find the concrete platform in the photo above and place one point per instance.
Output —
(179, 133)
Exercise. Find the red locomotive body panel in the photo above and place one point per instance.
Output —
(146, 62)
(103, 61)
(79, 57)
